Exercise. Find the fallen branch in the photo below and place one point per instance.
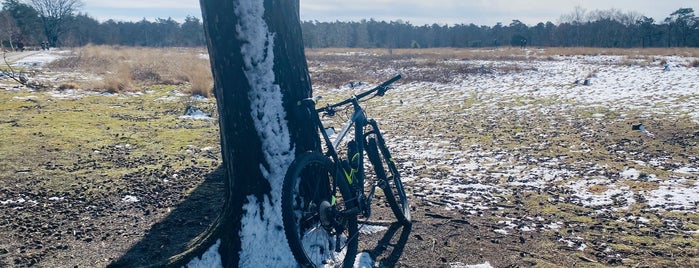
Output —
(17, 77)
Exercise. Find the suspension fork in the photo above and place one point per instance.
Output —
(381, 144)
(376, 159)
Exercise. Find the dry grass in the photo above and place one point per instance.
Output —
(512, 53)
(503, 53)
(117, 81)
(65, 86)
(422, 65)
(125, 69)
(128, 68)
(341, 66)
(631, 52)
(200, 79)
(597, 189)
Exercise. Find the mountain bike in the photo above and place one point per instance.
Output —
(324, 195)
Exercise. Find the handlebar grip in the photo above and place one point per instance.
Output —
(380, 90)
(384, 86)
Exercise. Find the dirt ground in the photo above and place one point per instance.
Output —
(91, 179)
(149, 213)
(77, 231)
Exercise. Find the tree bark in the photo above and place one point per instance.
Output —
(260, 73)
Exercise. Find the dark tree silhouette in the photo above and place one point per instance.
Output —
(681, 24)
(594, 28)
(8, 30)
(55, 16)
(26, 20)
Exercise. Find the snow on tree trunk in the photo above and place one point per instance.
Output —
(261, 224)
(260, 73)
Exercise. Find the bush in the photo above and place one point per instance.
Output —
(65, 86)
(146, 74)
(201, 82)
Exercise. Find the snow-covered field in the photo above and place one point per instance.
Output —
(477, 176)
(534, 137)
(472, 176)
(541, 140)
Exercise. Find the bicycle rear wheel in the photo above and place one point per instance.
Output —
(316, 231)
(392, 186)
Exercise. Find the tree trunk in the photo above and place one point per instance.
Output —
(260, 74)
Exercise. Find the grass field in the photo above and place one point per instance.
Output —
(505, 157)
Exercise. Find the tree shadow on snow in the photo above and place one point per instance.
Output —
(181, 227)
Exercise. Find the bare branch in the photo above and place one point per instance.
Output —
(14, 75)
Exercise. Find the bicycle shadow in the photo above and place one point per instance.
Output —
(386, 241)
(184, 224)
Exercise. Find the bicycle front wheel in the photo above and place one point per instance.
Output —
(392, 186)
(317, 231)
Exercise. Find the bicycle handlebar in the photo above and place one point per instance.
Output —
(380, 91)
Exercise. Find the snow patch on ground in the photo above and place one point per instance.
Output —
(20, 200)
(210, 259)
(688, 170)
(40, 58)
(610, 194)
(371, 229)
(631, 174)
(462, 265)
(675, 195)
(195, 114)
(130, 199)
(473, 178)
(363, 260)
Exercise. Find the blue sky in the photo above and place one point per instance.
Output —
(418, 12)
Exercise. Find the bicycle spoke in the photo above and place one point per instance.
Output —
(309, 208)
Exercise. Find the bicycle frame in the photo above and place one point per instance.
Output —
(338, 209)
(359, 120)
(357, 116)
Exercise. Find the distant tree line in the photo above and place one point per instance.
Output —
(610, 28)
(36, 22)
(39, 21)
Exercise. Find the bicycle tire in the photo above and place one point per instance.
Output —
(310, 178)
(395, 193)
